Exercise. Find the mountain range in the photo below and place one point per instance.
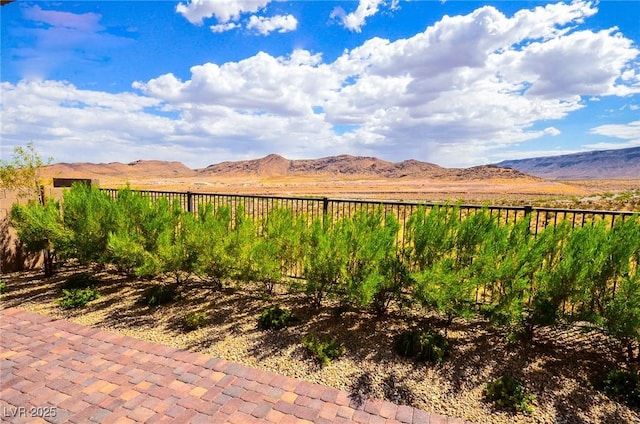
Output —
(598, 164)
(607, 164)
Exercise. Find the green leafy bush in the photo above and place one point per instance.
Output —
(275, 318)
(76, 298)
(622, 384)
(324, 349)
(423, 345)
(508, 392)
(160, 294)
(194, 320)
(3, 287)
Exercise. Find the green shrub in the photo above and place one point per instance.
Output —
(325, 260)
(394, 286)
(508, 392)
(370, 237)
(194, 320)
(82, 280)
(90, 215)
(423, 345)
(431, 234)
(213, 235)
(622, 384)
(160, 294)
(41, 228)
(323, 350)
(279, 249)
(77, 298)
(3, 287)
(275, 318)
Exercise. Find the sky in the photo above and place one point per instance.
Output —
(456, 83)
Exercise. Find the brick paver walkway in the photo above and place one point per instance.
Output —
(57, 371)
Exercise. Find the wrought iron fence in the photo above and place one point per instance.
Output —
(258, 207)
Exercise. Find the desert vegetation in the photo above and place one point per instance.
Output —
(456, 268)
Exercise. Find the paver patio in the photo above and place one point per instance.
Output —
(58, 371)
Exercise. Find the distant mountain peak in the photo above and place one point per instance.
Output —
(596, 164)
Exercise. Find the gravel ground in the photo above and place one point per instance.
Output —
(558, 367)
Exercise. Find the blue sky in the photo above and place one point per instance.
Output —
(457, 83)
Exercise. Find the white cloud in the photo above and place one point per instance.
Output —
(266, 25)
(224, 10)
(629, 132)
(355, 20)
(454, 94)
(224, 27)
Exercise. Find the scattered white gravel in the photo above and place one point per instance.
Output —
(558, 368)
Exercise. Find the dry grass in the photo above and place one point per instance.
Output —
(558, 368)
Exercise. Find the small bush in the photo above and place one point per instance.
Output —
(77, 298)
(82, 280)
(194, 320)
(508, 392)
(160, 295)
(622, 384)
(423, 345)
(274, 318)
(323, 350)
(3, 287)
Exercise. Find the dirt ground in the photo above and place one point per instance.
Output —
(559, 368)
(588, 194)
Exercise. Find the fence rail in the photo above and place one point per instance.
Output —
(258, 206)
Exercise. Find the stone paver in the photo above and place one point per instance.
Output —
(57, 371)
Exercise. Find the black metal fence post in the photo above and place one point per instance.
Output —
(325, 209)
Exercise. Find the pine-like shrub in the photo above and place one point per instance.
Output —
(275, 318)
(508, 392)
(77, 298)
(41, 228)
(90, 216)
(325, 260)
(323, 349)
(423, 345)
(213, 238)
(160, 294)
(622, 384)
(279, 248)
(370, 237)
(194, 320)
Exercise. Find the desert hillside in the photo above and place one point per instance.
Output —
(354, 177)
(602, 164)
(273, 166)
(139, 168)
